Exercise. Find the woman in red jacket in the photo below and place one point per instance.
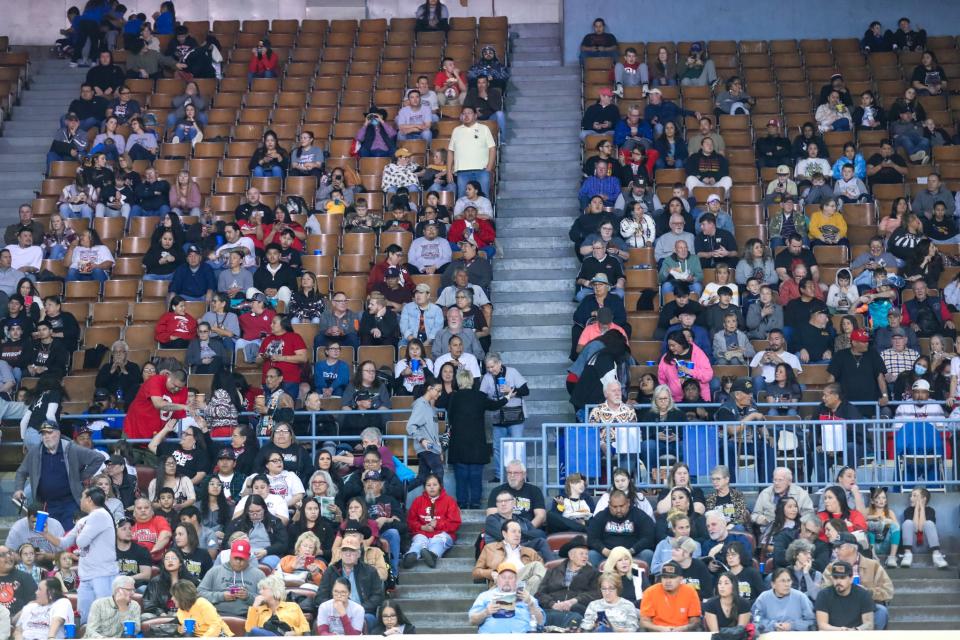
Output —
(264, 63)
(176, 328)
(835, 506)
(433, 520)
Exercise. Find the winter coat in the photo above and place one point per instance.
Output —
(444, 510)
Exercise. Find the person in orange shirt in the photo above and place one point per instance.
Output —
(670, 605)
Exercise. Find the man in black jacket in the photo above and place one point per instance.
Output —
(354, 486)
(368, 589)
(773, 149)
(570, 586)
(601, 117)
(90, 109)
(153, 196)
(621, 525)
(275, 278)
(106, 78)
(64, 325)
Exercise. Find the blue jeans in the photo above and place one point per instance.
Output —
(84, 124)
(137, 211)
(62, 509)
(427, 462)
(89, 590)
(53, 156)
(469, 479)
(880, 616)
(392, 536)
(499, 433)
(667, 287)
(185, 134)
(272, 172)
(259, 632)
(438, 544)
(86, 211)
(96, 274)
(426, 134)
(157, 276)
(913, 143)
(480, 175)
(264, 74)
(172, 119)
(501, 119)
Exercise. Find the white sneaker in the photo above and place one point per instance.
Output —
(618, 91)
(74, 65)
(892, 561)
(907, 559)
(939, 560)
(175, 140)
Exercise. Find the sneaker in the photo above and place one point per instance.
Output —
(430, 558)
(74, 64)
(939, 560)
(892, 561)
(714, 84)
(919, 156)
(85, 63)
(907, 559)
(409, 560)
(619, 90)
(175, 140)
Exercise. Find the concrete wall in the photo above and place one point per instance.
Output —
(518, 11)
(648, 20)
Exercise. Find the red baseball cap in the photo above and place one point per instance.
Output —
(859, 335)
(240, 549)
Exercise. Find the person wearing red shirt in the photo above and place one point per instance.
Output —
(450, 84)
(286, 351)
(394, 259)
(469, 226)
(176, 328)
(264, 62)
(255, 325)
(836, 507)
(161, 398)
(150, 531)
(433, 520)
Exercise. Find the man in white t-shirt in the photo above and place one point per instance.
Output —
(460, 358)
(415, 119)
(471, 154)
(768, 360)
(220, 258)
(25, 256)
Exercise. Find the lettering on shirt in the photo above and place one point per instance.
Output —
(619, 528)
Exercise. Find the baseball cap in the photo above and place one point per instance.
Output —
(859, 335)
(817, 310)
(82, 429)
(836, 76)
(841, 569)
(671, 569)
(605, 315)
(71, 116)
(226, 454)
(101, 394)
(470, 240)
(48, 425)
(240, 549)
(656, 91)
(696, 47)
(601, 278)
(898, 333)
(921, 385)
(773, 122)
(392, 272)
(606, 92)
(348, 543)
(192, 248)
(258, 297)
(783, 170)
(743, 385)
(506, 566)
(713, 198)
(402, 153)
(372, 475)
(845, 538)
(639, 182)
(423, 287)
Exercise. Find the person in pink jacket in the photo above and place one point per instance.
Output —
(185, 196)
(433, 521)
(683, 360)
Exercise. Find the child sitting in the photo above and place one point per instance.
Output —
(920, 517)
(849, 188)
(842, 295)
(27, 564)
(64, 571)
(724, 278)
(433, 177)
(359, 218)
(336, 203)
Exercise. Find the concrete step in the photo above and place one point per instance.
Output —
(532, 308)
(420, 576)
(530, 333)
(550, 408)
(566, 152)
(525, 281)
(566, 114)
(531, 200)
(553, 262)
(556, 344)
(550, 395)
(549, 242)
(552, 382)
(536, 29)
(546, 320)
(546, 299)
(567, 170)
(552, 61)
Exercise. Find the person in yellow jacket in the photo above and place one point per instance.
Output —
(195, 615)
(270, 615)
(827, 226)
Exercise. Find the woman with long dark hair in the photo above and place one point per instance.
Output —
(215, 509)
(270, 159)
(681, 501)
(197, 560)
(392, 621)
(171, 476)
(683, 359)
(307, 302)
(245, 447)
(157, 599)
(727, 609)
(786, 516)
(176, 328)
(284, 442)
(190, 453)
(836, 507)
(268, 535)
(309, 517)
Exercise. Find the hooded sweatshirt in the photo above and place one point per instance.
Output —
(220, 578)
(636, 531)
(840, 300)
(422, 425)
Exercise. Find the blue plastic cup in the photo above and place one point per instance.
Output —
(190, 626)
(415, 366)
(761, 566)
(651, 363)
(856, 580)
(129, 628)
(220, 240)
(41, 521)
(317, 252)
(69, 631)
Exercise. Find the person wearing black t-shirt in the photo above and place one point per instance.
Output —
(795, 250)
(50, 356)
(727, 609)
(529, 498)
(15, 354)
(844, 606)
(886, 167)
(63, 324)
(44, 403)
(813, 341)
(197, 560)
(860, 371)
(132, 559)
(670, 312)
(599, 43)
(190, 452)
(253, 203)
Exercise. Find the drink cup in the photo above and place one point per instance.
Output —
(761, 566)
(261, 399)
(415, 366)
(856, 580)
(502, 383)
(41, 521)
(651, 363)
(317, 252)
(69, 631)
(129, 628)
(190, 626)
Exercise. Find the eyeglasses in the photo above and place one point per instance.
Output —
(275, 460)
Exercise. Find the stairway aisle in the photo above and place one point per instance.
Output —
(925, 597)
(27, 135)
(536, 204)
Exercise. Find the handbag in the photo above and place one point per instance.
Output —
(510, 415)
(163, 630)
(277, 626)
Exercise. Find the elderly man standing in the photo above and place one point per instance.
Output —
(57, 468)
(471, 153)
(670, 605)
(505, 608)
(95, 537)
(873, 577)
(570, 586)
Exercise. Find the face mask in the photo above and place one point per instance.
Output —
(919, 369)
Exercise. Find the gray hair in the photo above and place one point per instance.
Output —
(516, 463)
(715, 514)
(467, 291)
(797, 547)
(120, 344)
(331, 487)
(371, 433)
(274, 582)
(122, 582)
(493, 357)
(722, 470)
(464, 379)
(661, 388)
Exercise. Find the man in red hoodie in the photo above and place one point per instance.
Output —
(161, 398)
(394, 259)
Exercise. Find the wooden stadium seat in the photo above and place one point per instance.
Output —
(81, 386)
(642, 279)
(155, 289)
(318, 265)
(76, 291)
(353, 262)
(328, 244)
(142, 227)
(110, 312)
(831, 255)
(231, 184)
(140, 336)
(354, 286)
(385, 355)
(109, 228)
(128, 267)
(120, 289)
(148, 312)
(105, 335)
(399, 238)
(80, 310)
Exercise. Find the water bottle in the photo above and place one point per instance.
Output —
(756, 620)
(119, 396)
